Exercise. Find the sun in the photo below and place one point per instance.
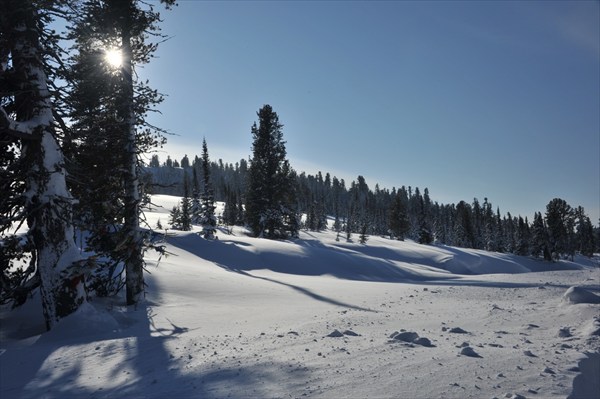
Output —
(113, 57)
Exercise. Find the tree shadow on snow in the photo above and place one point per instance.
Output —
(136, 360)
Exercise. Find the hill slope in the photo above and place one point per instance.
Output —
(244, 317)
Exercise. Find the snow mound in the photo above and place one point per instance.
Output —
(406, 336)
(86, 321)
(412, 338)
(458, 330)
(335, 334)
(576, 295)
(470, 352)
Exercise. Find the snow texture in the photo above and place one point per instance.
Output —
(244, 317)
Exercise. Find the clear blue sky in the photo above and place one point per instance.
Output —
(470, 99)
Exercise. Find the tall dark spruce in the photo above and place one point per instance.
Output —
(270, 198)
(207, 199)
(108, 107)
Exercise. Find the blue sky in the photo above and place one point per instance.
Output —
(470, 99)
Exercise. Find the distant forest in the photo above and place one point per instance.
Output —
(401, 213)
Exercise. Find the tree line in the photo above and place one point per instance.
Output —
(357, 210)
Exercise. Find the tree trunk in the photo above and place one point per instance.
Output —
(134, 268)
(48, 203)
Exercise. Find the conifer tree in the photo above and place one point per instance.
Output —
(585, 233)
(185, 162)
(364, 226)
(32, 169)
(539, 238)
(270, 198)
(185, 217)
(196, 209)
(399, 224)
(175, 218)
(207, 219)
(154, 161)
(522, 237)
(126, 25)
(230, 212)
(559, 220)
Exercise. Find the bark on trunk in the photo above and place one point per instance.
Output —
(134, 268)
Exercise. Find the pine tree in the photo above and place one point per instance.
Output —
(126, 25)
(489, 227)
(364, 226)
(36, 190)
(559, 220)
(499, 236)
(185, 216)
(207, 219)
(399, 224)
(585, 233)
(270, 198)
(539, 238)
(175, 218)
(185, 162)
(463, 228)
(522, 237)
(154, 161)
(196, 209)
(230, 212)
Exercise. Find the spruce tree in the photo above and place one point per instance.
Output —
(270, 198)
(126, 25)
(175, 218)
(539, 238)
(585, 233)
(399, 224)
(364, 226)
(230, 212)
(207, 219)
(196, 209)
(32, 168)
(185, 217)
(559, 219)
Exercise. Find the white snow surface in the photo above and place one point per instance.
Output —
(244, 317)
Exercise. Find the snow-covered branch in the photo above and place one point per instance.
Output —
(21, 130)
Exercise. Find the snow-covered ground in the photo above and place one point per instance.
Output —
(243, 317)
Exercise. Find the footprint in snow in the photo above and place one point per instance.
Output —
(529, 353)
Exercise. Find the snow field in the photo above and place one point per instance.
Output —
(242, 317)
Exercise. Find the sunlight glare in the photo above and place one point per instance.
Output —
(113, 57)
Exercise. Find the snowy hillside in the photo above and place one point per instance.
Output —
(315, 317)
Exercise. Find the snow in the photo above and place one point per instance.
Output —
(580, 295)
(244, 317)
